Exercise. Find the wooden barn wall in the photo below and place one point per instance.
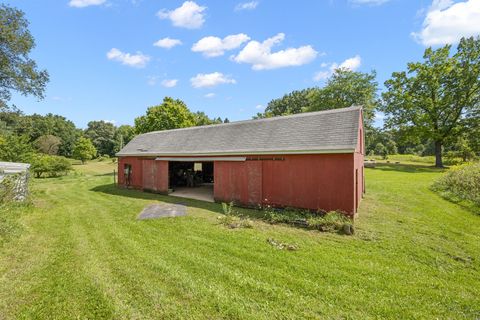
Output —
(240, 182)
(303, 181)
(136, 178)
(147, 174)
(322, 181)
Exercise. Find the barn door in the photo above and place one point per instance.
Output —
(148, 179)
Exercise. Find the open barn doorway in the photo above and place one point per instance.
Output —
(190, 179)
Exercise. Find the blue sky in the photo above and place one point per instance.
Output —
(111, 59)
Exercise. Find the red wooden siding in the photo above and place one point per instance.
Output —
(136, 178)
(321, 181)
(240, 182)
(147, 174)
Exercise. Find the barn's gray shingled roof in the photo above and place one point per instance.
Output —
(331, 131)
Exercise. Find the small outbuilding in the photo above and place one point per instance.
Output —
(309, 160)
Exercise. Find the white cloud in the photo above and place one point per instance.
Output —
(261, 57)
(210, 95)
(85, 3)
(189, 15)
(202, 80)
(214, 46)
(260, 107)
(246, 6)
(446, 22)
(369, 2)
(351, 64)
(137, 60)
(167, 43)
(321, 75)
(110, 121)
(169, 83)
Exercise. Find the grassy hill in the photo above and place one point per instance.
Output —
(79, 252)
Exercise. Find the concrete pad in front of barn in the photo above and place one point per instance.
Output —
(162, 210)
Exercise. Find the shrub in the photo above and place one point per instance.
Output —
(231, 219)
(104, 157)
(332, 221)
(227, 208)
(461, 183)
(43, 165)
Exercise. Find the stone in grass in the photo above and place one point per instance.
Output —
(282, 246)
(162, 210)
(348, 229)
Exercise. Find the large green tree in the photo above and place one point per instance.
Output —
(343, 89)
(296, 101)
(102, 135)
(201, 119)
(437, 98)
(123, 135)
(171, 114)
(84, 150)
(346, 88)
(18, 72)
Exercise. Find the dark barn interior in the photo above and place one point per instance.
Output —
(189, 174)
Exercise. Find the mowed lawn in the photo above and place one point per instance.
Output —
(79, 252)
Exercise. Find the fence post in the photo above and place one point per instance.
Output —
(114, 177)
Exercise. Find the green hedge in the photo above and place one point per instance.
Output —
(43, 165)
(462, 183)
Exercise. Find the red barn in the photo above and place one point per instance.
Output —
(309, 160)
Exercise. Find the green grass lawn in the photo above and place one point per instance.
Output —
(79, 252)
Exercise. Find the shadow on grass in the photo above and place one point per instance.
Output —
(138, 194)
(283, 215)
(407, 168)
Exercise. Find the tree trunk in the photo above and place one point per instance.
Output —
(438, 154)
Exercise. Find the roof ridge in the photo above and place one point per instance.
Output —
(276, 118)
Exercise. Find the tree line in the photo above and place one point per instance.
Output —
(22, 136)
